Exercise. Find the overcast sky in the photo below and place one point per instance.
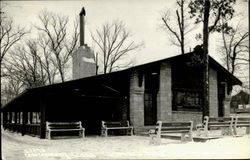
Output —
(142, 18)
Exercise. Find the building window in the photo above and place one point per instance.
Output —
(186, 100)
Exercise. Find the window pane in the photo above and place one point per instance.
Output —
(186, 100)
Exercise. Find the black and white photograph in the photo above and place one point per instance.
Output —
(124, 79)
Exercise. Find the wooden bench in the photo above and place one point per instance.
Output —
(241, 122)
(185, 128)
(224, 123)
(118, 125)
(64, 127)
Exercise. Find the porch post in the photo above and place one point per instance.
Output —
(164, 98)
(43, 117)
(25, 120)
(136, 100)
(227, 100)
(213, 90)
(10, 120)
(5, 120)
(15, 117)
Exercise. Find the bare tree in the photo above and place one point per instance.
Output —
(47, 60)
(11, 89)
(29, 65)
(39, 61)
(235, 49)
(54, 33)
(114, 44)
(9, 35)
(25, 65)
(178, 25)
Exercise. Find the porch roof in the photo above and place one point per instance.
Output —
(90, 87)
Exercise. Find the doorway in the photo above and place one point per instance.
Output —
(150, 108)
(221, 96)
(150, 95)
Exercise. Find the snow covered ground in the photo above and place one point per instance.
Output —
(17, 147)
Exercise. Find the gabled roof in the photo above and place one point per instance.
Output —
(123, 73)
(242, 98)
(212, 63)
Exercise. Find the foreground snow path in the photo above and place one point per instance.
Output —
(120, 147)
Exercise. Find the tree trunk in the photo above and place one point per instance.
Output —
(249, 52)
(182, 28)
(206, 59)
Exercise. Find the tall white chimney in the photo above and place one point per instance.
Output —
(82, 26)
(83, 59)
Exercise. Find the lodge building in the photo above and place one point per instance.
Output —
(169, 90)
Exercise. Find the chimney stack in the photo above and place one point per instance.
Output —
(83, 58)
(82, 26)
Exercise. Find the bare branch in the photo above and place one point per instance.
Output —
(113, 42)
(170, 29)
(235, 49)
(54, 31)
(178, 25)
(9, 36)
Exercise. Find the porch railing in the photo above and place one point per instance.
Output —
(31, 129)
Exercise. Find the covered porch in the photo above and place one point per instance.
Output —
(89, 100)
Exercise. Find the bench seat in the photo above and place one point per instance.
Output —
(120, 128)
(64, 127)
(116, 125)
(174, 131)
(241, 122)
(185, 128)
(209, 123)
(219, 125)
(243, 125)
